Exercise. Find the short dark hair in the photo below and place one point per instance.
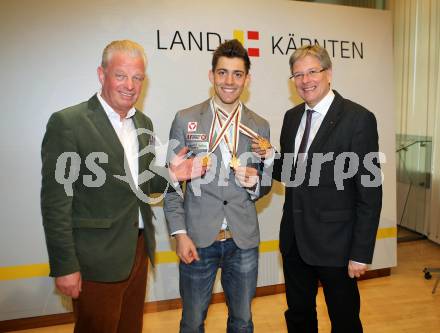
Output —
(231, 49)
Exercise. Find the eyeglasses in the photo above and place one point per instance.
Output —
(313, 73)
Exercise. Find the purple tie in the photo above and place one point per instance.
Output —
(305, 138)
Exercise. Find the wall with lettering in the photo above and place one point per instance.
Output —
(50, 53)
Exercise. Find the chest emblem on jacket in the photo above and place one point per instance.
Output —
(192, 126)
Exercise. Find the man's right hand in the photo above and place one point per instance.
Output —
(69, 285)
(186, 249)
(184, 168)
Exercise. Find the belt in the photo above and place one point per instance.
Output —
(224, 235)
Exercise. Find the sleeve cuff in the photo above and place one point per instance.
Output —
(181, 231)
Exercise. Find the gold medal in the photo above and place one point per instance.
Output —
(263, 144)
(234, 163)
(206, 160)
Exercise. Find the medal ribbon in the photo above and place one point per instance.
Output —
(223, 128)
(243, 128)
(232, 148)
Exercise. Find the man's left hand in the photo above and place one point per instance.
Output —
(261, 152)
(247, 176)
(356, 269)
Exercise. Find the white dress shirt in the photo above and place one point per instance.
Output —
(126, 132)
(321, 110)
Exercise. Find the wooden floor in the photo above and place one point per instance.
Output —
(400, 303)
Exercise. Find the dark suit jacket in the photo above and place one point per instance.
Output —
(331, 225)
(94, 231)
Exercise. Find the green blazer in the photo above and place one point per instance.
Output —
(95, 229)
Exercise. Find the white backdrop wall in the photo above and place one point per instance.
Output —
(49, 55)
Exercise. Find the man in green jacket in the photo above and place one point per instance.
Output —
(96, 181)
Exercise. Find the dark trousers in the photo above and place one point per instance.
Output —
(340, 291)
(116, 307)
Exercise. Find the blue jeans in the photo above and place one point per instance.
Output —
(239, 282)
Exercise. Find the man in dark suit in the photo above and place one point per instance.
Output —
(331, 211)
(95, 184)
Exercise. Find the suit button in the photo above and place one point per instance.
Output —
(225, 202)
(136, 224)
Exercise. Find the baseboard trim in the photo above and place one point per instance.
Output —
(169, 304)
(36, 322)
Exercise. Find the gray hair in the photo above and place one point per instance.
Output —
(129, 47)
(311, 50)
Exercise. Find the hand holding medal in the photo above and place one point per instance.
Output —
(184, 166)
(247, 176)
(261, 146)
